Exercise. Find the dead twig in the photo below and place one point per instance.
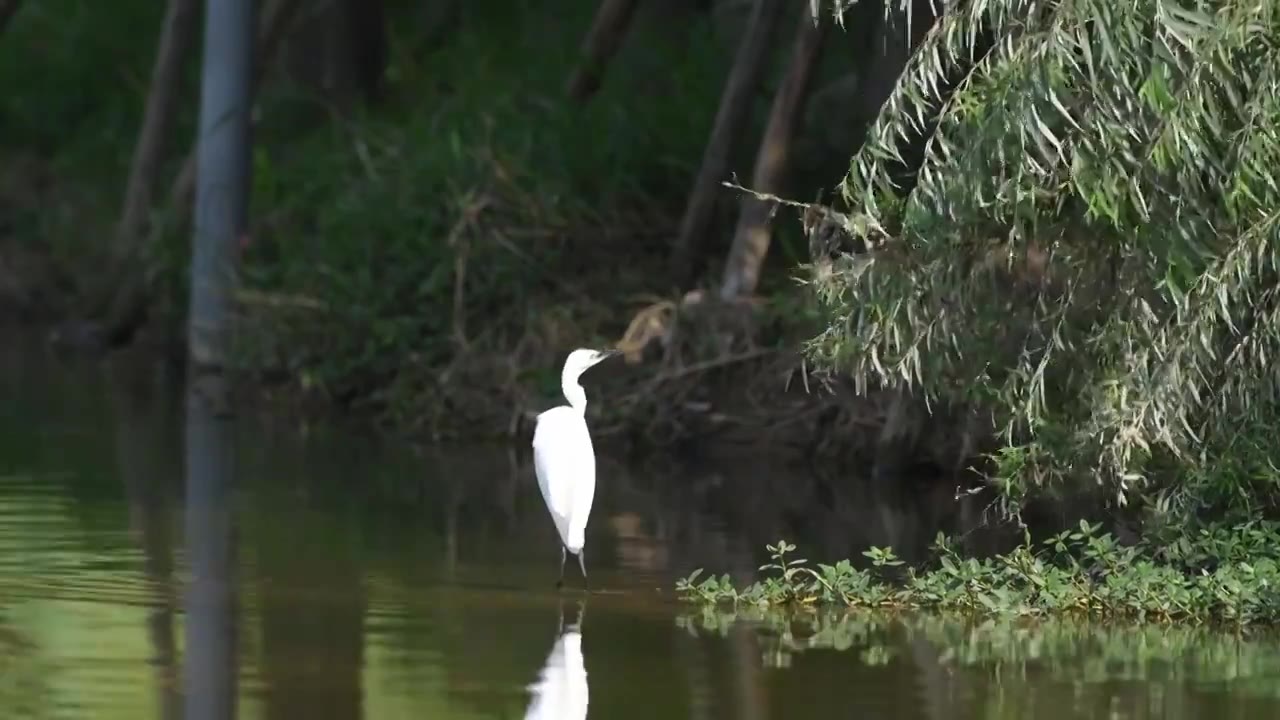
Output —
(247, 296)
(767, 197)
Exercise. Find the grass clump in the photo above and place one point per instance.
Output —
(1228, 573)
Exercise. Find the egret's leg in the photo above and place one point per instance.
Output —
(563, 552)
(582, 564)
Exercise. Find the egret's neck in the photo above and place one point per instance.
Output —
(574, 393)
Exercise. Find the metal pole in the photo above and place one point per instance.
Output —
(223, 177)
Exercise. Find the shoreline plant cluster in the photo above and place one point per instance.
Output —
(1217, 573)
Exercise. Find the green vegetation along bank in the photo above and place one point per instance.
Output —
(1212, 574)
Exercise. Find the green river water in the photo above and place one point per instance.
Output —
(155, 565)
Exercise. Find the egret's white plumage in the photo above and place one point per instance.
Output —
(565, 464)
(564, 459)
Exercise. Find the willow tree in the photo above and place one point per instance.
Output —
(1087, 247)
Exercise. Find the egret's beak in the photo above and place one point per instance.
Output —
(602, 355)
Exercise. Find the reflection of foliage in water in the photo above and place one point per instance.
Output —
(1009, 649)
(783, 634)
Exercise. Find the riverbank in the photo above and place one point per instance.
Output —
(667, 391)
(1188, 574)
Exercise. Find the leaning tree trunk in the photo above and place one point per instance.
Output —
(730, 118)
(751, 239)
(128, 304)
(599, 47)
(162, 105)
(125, 289)
(176, 42)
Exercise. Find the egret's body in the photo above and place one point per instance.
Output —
(565, 461)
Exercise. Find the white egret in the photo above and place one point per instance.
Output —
(565, 461)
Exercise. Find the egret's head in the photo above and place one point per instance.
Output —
(581, 360)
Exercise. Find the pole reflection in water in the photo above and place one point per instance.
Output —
(209, 676)
(560, 692)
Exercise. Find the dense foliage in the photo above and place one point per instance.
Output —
(1090, 249)
(426, 258)
(441, 250)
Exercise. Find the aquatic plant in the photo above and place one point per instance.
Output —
(1214, 573)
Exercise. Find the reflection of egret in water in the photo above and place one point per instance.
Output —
(560, 693)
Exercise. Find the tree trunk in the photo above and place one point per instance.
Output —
(222, 197)
(366, 27)
(734, 104)
(7, 10)
(176, 40)
(126, 292)
(751, 240)
(437, 21)
(601, 44)
(128, 306)
(894, 40)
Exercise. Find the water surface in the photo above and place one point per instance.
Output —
(160, 565)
